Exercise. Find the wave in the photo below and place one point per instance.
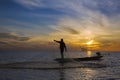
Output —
(50, 65)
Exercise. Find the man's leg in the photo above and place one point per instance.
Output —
(62, 56)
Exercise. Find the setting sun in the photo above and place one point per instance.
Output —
(89, 42)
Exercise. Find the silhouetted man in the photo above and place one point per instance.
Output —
(62, 47)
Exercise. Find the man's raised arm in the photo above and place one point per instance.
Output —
(57, 41)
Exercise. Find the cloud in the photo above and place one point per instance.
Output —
(71, 30)
(75, 6)
(13, 41)
(2, 30)
(80, 15)
(13, 36)
(65, 29)
(70, 7)
(108, 7)
(30, 3)
(81, 20)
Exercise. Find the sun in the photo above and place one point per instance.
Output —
(89, 42)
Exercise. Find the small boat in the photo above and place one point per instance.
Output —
(88, 58)
(78, 59)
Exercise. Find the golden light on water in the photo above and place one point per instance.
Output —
(89, 53)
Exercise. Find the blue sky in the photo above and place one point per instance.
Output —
(77, 20)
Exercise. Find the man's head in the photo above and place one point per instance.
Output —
(61, 40)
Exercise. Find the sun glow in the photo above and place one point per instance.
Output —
(89, 42)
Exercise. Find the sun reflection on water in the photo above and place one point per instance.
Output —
(89, 53)
(89, 73)
(80, 74)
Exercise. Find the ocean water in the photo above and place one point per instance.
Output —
(106, 69)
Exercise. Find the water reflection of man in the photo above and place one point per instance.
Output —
(62, 74)
(62, 47)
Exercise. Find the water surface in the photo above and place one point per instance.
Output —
(106, 69)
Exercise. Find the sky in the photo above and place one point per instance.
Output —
(83, 24)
